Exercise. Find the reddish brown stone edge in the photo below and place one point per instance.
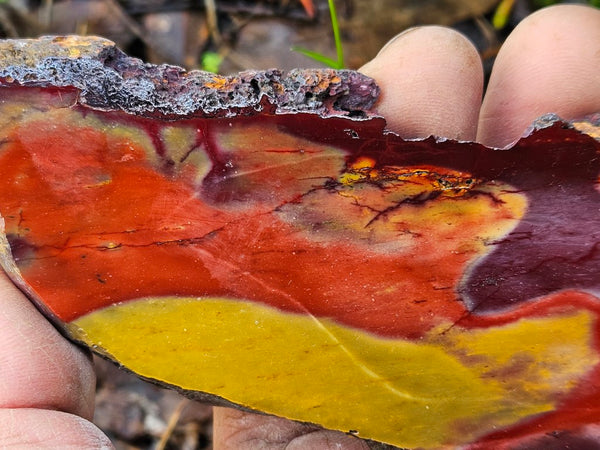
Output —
(110, 80)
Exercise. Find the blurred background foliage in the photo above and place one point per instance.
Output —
(232, 35)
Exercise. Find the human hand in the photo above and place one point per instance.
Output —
(46, 383)
(431, 80)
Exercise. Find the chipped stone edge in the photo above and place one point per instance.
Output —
(107, 79)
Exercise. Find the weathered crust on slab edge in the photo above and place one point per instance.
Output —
(110, 80)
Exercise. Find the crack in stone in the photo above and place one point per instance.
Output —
(66, 247)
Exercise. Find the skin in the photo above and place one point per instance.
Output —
(432, 82)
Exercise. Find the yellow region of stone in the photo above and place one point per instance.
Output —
(383, 220)
(181, 147)
(268, 166)
(588, 128)
(443, 390)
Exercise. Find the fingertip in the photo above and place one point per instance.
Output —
(327, 440)
(38, 428)
(41, 368)
(431, 80)
(240, 430)
(549, 64)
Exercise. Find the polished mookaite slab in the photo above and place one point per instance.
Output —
(263, 241)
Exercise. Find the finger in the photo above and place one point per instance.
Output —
(240, 430)
(39, 368)
(35, 428)
(549, 64)
(431, 81)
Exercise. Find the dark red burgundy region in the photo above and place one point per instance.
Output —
(555, 247)
(127, 185)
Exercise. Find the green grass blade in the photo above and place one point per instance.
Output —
(318, 57)
(334, 64)
(336, 35)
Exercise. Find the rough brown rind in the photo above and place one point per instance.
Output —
(109, 79)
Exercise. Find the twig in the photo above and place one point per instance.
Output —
(45, 13)
(133, 26)
(211, 18)
(175, 416)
